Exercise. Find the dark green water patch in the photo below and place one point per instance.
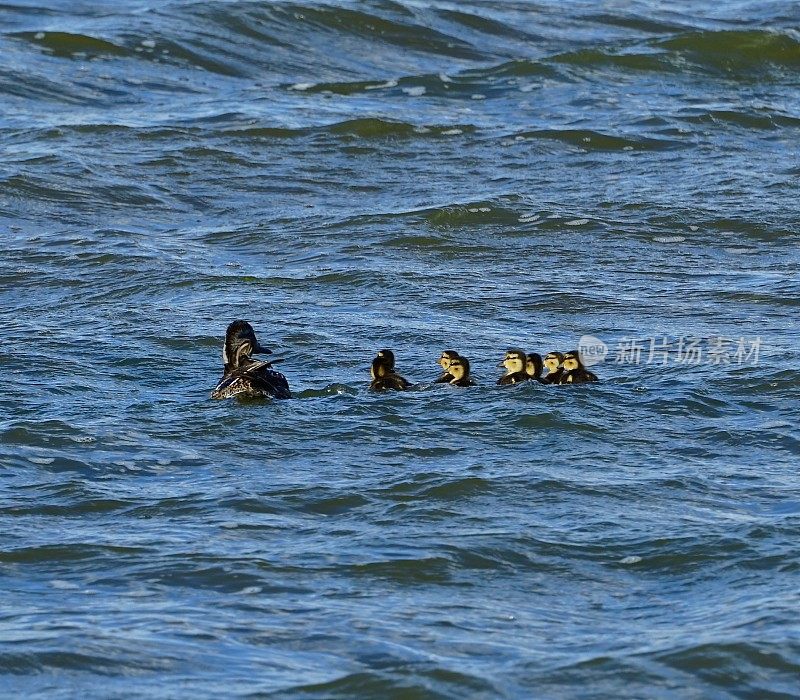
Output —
(67, 45)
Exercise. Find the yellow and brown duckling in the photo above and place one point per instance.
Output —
(514, 362)
(244, 377)
(459, 371)
(574, 371)
(533, 366)
(552, 362)
(444, 361)
(383, 375)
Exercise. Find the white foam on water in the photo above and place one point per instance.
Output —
(64, 585)
(380, 86)
(775, 424)
(577, 222)
(415, 91)
(630, 560)
(141, 593)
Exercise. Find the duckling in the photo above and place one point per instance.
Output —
(242, 375)
(574, 371)
(514, 362)
(388, 356)
(459, 370)
(552, 361)
(533, 367)
(447, 357)
(383, 375)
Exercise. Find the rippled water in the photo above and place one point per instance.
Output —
(414, 175)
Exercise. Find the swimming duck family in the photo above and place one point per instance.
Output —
(562, 368)
(245, 377)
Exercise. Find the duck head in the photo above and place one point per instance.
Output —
(514, 360)
(380, 367)
(458, 368)
(240, 344)
(553, 360)
(447, 357)
(572, 361)
(388, 357)
(533, 365)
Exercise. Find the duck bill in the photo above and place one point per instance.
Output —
(261, 350)
(501, 364)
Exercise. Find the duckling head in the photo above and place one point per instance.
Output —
(447, 357)
(380, 367)
(533, 365)
(240, 344)
(572, 361)
(514, 360)
(388, 357)
(553, 360)
(459, 368)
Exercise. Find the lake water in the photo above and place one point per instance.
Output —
(419, 176)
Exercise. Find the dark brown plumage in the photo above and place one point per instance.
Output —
(533, 366)
(383, 375)
(243, 376)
